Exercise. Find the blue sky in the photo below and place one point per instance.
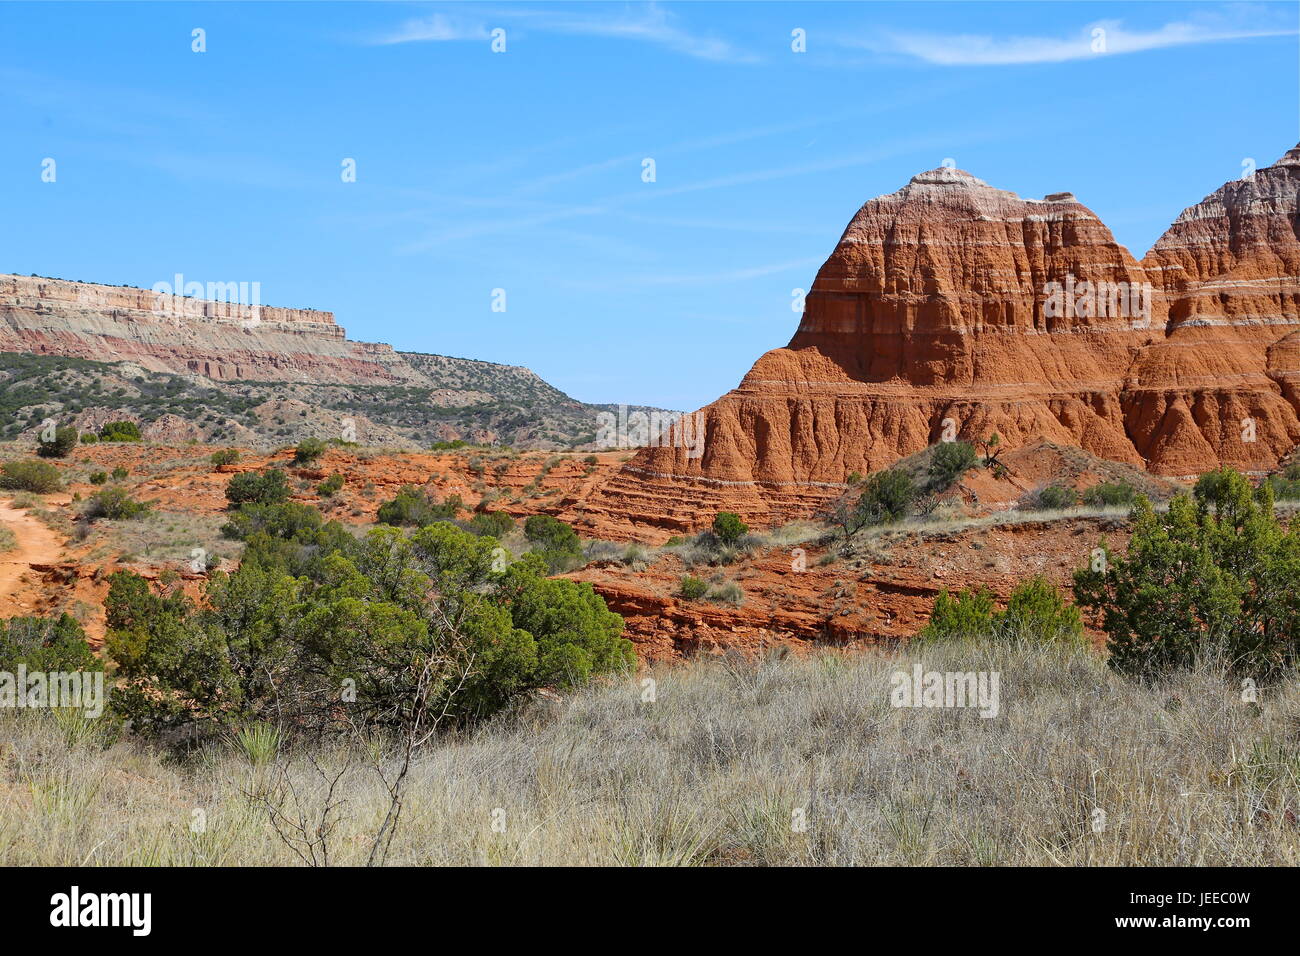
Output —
(523, 170)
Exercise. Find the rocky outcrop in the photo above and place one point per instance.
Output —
(170, 333)
(954, 309)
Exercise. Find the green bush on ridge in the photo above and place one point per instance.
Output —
(1216, 573)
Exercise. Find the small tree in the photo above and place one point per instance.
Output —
(991, 448)
(495, 524)
(729, 528)
(263, 487)
(1217, 572)
(60, 444)
(554, 542)
(45, 644)
(888, 497)
(226, 456)
(968, 614)
(1036, 610)
(414, 507)
(949, 461)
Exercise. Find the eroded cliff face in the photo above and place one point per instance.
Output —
(165, 333)
(951, 306)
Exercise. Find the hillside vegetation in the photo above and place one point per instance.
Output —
(481, 401)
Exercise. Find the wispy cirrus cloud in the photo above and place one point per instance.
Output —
(649, 24)
(433, 29)
(1099, 39)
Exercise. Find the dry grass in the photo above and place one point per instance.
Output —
(162, 537)
(718, 769)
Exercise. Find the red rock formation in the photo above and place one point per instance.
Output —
(946, 307)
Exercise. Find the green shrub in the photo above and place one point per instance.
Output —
(226, 456)
(888, 496)
(692, 588)
(554, 541)
(89, 438)
(448, 445)
(415, 507)
(496, 524)
(728, 592)
(308, 450)
(45, 644)
(98, 477)
(119, 431)
(948, 462)
(1283, 487)
(28, 475)
(265, 645)
(729, 528)
(1215, 574)
(60, 445)
(1051, 498)
(116, 504)
(1109, 493)
(290, 520)
(968, 614)
(1036, 611)
(330, 486)
(263, 487)
(119, 473)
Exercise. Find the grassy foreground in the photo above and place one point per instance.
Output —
(774, 761)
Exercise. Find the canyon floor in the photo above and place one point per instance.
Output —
(801, 585)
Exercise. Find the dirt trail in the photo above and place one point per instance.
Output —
(36, 544)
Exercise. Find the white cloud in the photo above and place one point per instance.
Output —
(435, 29)
(650, 25)
(983, 50)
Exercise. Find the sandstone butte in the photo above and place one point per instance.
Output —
(937, 310)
